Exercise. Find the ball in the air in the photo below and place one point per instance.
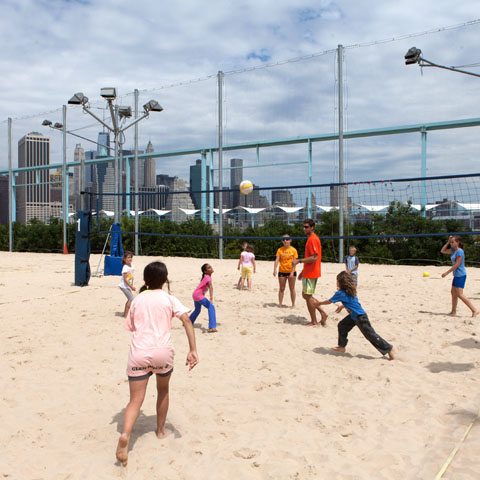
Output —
(426, 274)
(246, 187)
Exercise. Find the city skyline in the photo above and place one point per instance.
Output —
(281, 80)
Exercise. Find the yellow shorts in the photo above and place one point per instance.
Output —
(247, 272)
(309, 285)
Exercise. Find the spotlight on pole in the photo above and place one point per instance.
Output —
(78, 99)
(125, 112)
(108, 93)
(47, 123)
(152, 106)
(58, 125)
(413, 56)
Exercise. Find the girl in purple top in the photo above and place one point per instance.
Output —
(200, 299)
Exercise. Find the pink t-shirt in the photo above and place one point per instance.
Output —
(150, 319)
(199, 292)
(246, 259)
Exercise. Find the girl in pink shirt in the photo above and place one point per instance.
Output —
(200, 299)
(248, 265)
(151, 349)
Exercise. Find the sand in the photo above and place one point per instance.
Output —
(268, 399)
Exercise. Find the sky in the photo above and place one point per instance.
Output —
(281, 81)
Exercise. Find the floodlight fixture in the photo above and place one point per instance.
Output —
(413, 56)
(125, 112)
(47, 123)
(58, 125)
(78, 99)
(152, 106)
(108, 93)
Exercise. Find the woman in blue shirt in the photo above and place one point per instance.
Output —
(454, 248)
(347, 295)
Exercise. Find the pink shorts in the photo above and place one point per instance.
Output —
(143, 362)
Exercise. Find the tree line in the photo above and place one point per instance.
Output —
(381, 241)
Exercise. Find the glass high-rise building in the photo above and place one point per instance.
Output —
(33, 190)
(196, 183)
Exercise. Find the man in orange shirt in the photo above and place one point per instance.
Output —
(311, 272)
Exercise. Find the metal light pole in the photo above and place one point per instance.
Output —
(65, 180)
(117, 113)
(220, 164)
(341, 173)
(414, 55)
(135, 169)
(10, 188)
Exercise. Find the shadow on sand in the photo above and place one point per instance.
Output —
(294, 320)
(144, 424)
(467, 343)
(329, 351)
(438, 367)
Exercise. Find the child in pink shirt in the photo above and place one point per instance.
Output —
(247, 262)
(200, 299)
(151, 349)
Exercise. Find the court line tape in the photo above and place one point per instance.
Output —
(455, 450)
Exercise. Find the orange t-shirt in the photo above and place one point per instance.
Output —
(312, 247)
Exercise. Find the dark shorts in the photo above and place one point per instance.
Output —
(285, 274)
(148, 375)
(459, 282)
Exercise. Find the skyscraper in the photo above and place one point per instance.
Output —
(236, 177)
(104, 177)
(33, 190)
(150, 180)
(196, 183)
(4, 199)
(78, 156)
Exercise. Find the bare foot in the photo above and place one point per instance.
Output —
(212, 330)
(311, 324)
(452, 314)
(339, 349)
(392, 354)
(323, 321)
(475, 313)
(122, 449)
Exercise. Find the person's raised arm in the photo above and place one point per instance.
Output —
(446, 248)
(192, 356)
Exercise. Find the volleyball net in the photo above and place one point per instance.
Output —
(381, 216)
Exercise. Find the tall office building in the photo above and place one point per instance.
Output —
(4, 200)
(283, 198)
(33, 190)
(150, 180)
(78, 156)
(179, 200)
(104, 174)
(196, 183)
(236, 177)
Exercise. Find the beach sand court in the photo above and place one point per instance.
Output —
(268, 400)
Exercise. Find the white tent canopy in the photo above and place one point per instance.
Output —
(253, 210)
(187, 211)
(427, 207)
(225, 210)
(159, 212)
(326, 208)
(469, 206)
(289, 209)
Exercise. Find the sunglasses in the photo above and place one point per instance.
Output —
(286, 239)
(306, 226)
